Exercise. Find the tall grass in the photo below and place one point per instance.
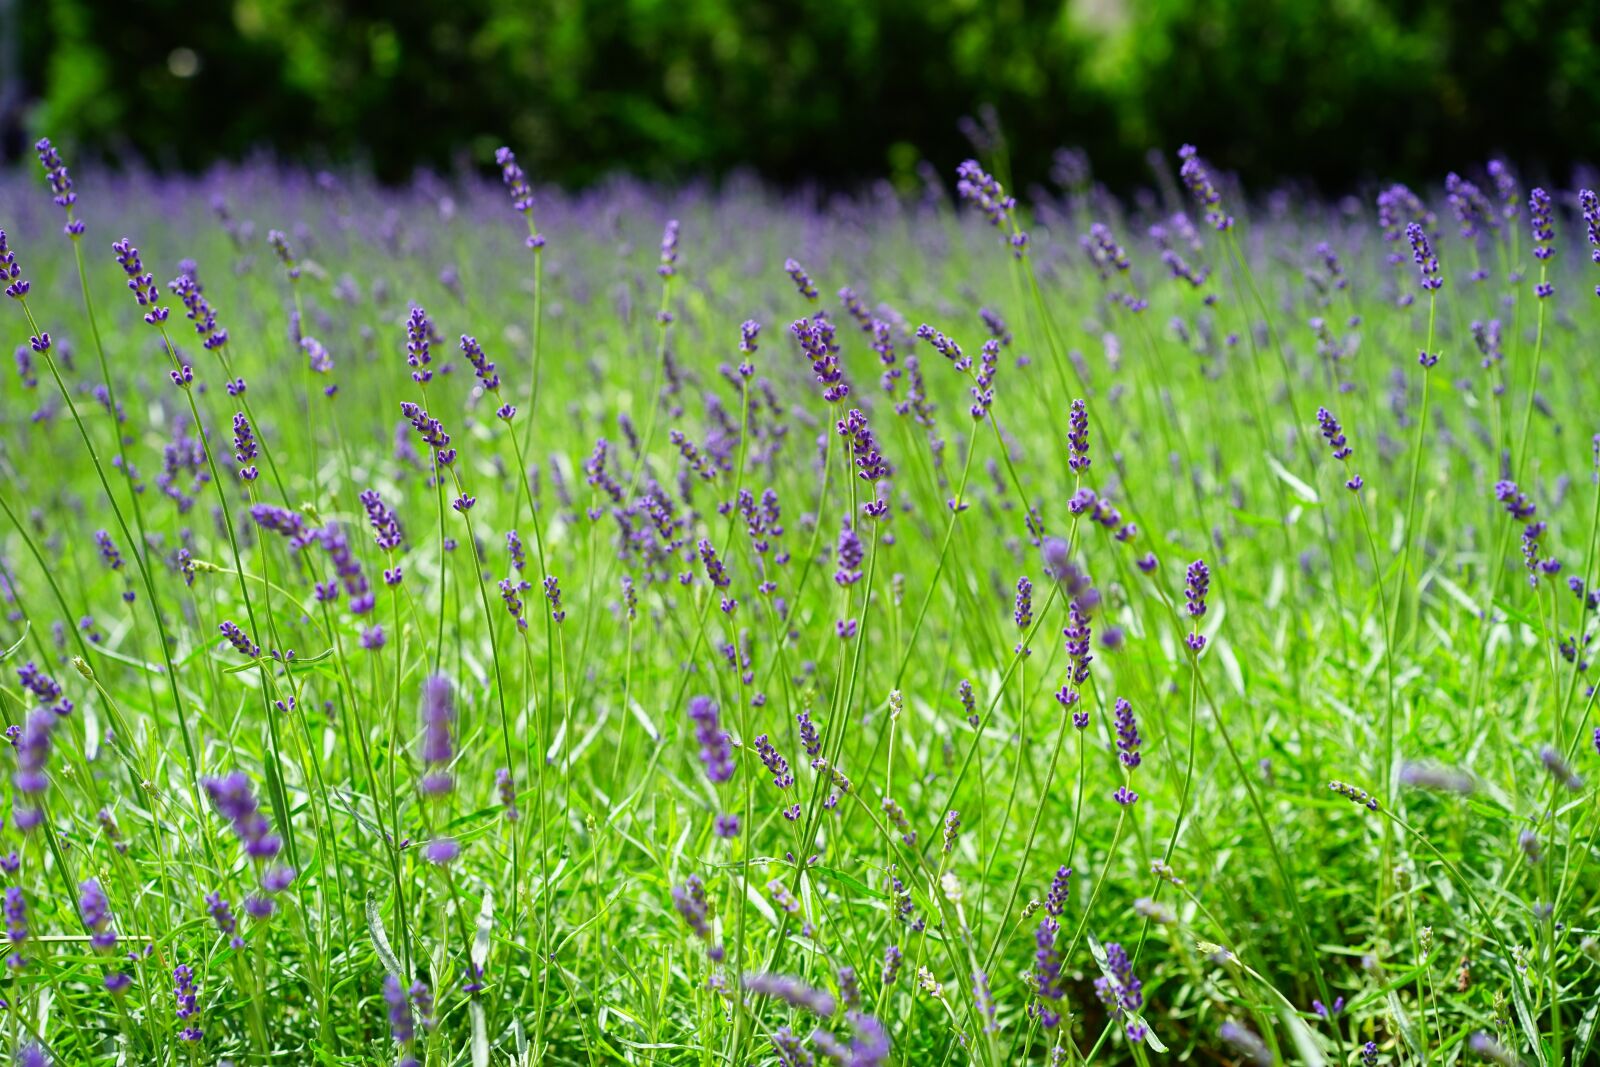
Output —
(774, 665)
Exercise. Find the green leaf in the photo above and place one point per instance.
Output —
(380, 940)
(8, 653)
(1301, 489)
(480, 1035)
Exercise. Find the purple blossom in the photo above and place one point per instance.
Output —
(244, 447)
(1047, 971)
(980, 188)
(11, 272)
(791, 991)
(141, 283)
(419, 339)
(690, 900)
(802, 280)
(715, 751)
(1120, 991)
(1055, 901)
(438, 747)
(183, 993)
(1128, 739)
(669, 250)
(1198, 179)
(16, 911)
(234, 798)
(480, 363)
(385, 525)
(1078, 438)
(1422, 253)
(816, 338)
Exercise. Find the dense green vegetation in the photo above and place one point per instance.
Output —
(696, 628)
(844, 92)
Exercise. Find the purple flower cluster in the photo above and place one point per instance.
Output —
(1196, 585)
(234, 798)
(715, 752)
(980, 188)
(816, 337)
(140, 283)
(1198, 179)
(1120, 990)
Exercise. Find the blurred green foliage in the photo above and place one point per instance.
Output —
(1334, 90)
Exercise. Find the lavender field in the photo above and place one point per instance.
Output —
(478, 624)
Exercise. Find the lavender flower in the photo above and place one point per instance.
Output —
(669, 250)
(1539, 214)
(952, 829)
(1355, 794)
(776, 765)
(1589, 204)
(1046, 972)
(1516, 503)
(892, 958)
(55, 172)
(480, 363)
(198, 310)
(419, 338)
(33, 744)
(980, 188)
(802, 280)
(1022, 610)
(244, 447)
(1250, 1047)
(715, 751)
(791, 991)
(1197, 583)
(964, 694)
(385, 526)
(1055, 901)
(1436, 778)
(690, 900)
(862, 447)
(11, 272)
(402, 1025)
(1560, 770)
(431, 430)
(441, 851)
(142, 284)
(1422, 253)
(438, 748)
(1120, 990)
(1198, 179)
(234, 798)
(1470, 207)
(552, 593)
(16, 910)
(848, 556)
(95, 911)
(221, 913)
(816, 338)
(1078, 438)
(183, 993)
(515, 180)
(279, 243)
(1128, 739)
(1487, 1048)
(1105, 254)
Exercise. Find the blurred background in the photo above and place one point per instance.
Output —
(827, 91)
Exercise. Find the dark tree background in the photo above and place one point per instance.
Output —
(831, 90)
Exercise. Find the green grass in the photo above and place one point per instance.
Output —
(1389, 639)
